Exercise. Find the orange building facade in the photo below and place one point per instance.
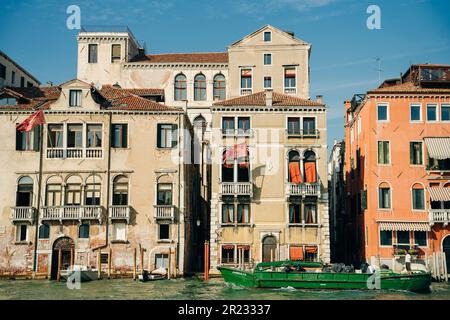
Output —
(397, 170)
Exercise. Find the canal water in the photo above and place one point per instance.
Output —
(192, 289)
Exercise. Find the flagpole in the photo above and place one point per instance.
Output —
(38, 207)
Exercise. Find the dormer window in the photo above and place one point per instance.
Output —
(267, 36)
(115, 53)
(75, 98)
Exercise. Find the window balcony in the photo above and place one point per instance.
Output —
(237, 132)
(74, 153)
(236, 188)
(303, 189)
(119, 213)
(23, 214)
(164, 212)
(439, 216)
(290, 91)
(65, 213)
(245, 92)
(303, 133)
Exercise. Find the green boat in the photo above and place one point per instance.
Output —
(309, 275)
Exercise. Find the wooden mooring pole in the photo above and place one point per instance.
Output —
(134, 264)
(206, 260)
(109, 263)
(72, 257)
(99, 264)
(58, 276)
(142, 261)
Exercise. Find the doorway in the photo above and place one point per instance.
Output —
(67, 248)
(269, 248)
(446, 249)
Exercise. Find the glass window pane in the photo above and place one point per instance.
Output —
(445, 113)
(415, 113)
(386, 238)
(382, 112)
(431, 113)
(420, 238)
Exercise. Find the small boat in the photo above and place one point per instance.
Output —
(146, 276)
(310, 275)
(79, 273)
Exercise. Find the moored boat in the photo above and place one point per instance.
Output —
(309, 275)
(79, 273)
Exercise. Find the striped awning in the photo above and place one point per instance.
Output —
(439, 194)
(403, 226)
(438, 148)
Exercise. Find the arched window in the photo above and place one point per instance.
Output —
(164, 197)
(53, 192)
(228, 166)
(73, 191)
(219, 87)
(24, 196)
(199, 122)
(384, 196)
(83, 232)
(92, 191)
(295, 175)
(310, 166)
(418, 197)
(120, 191)
(44, 231)
(200, 87)
(180, 87)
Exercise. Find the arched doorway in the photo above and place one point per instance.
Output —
(446, 249)
(66, 245)
(269, 248)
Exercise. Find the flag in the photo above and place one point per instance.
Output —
(32, 121)
(242, 155)
(228, 157)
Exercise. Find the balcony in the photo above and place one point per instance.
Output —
(23, 214)
(65, 213)
(290, 91)
(439, 216)
(74, 153)
(236, 188)
(237, 132)
(245, 92)
(303, 189)
(119, 213)
(164, 212)
(303, 133)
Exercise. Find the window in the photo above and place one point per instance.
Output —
(2, 71)
(167, 137)
(243, 213)
(289, 80)
(382, 112)
(415, 153)
(385, 238)
(383, 152)
(295, 213)
(293, 126)
(55, 136)
(21, 233)
(227, 254)
(53, 195)
(13, 77)
(75, 98)
(29, 84)
(267, 59)
(22, 82)
(74, 136)
(83, 232)
(228, 125)
(115, 53)
(24, 195)
(120, 191)
(267, 82)
(164, 194)
(119, 135)
(420, 238)
(164, 232)
(445, 112)
(119, 231)
(295, 176)
(309, 126)
(384, 197)
(94, 136)
(246, 253)
(418, 198)
(180, 87)
(28, 141)
(403, 239)
(310, 213)
(415, 112)
(161, 260)
(44, 231)
(311, 253)
(219, 87)
(200, 87)
(92, 194)
(246, 78)
(73, 194)
(92, 54)
(267, 36)
(243, 124)
(431, 112)
(309, 166)
(227, 213)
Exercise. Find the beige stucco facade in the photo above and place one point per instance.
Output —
(14, 75)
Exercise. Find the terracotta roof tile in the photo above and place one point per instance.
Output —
(259, 99)
(196, 57)
(408, 87)
(110, 92)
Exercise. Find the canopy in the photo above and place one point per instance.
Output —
(439, 194)
(403, 226)
(438, 148)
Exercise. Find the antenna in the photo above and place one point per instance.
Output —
(378, 59)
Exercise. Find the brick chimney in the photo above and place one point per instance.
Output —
(269, 98)
(319, 99)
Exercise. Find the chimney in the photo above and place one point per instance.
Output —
(319, 98)
(117, 85)
(269, 98)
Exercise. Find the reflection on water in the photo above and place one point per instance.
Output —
(191, 289)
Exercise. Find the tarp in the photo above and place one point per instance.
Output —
(294, 171)
(438, 148)
(439, 194)
(403, 226)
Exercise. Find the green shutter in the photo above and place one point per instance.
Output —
(158, 136)
(174, 135)
(411, 153)
(364, 200)
(19, 146)
(37, 138)
(125, 135)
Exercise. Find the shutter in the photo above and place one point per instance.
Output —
(37, 138)
(125, 135)
(364, 200)
(158, 136)
(19, 146)
(174, 135)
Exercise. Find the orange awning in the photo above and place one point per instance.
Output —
(310, 172)
(294, 171)
(296, 252)
(311, 249)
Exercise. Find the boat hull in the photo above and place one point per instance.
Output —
(417, 282)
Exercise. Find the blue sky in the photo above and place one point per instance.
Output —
(344, 51)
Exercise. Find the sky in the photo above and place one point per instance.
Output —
(344, 50)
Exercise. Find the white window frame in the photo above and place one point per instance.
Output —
(18, 233)
(264, 82)
(437, 112)
(424, 198)
(296, 78)
(440, 112)
(159, 232)
(387, 112)
(264, 36)
(264, 59)
(390, 153)
(415, 104)
(79, 101)
(423, 155)
(379, 239)
(426, 239)
(390, 197)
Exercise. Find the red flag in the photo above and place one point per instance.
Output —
(228, 157)
(32, 121)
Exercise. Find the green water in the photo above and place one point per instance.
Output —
(191, 289)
